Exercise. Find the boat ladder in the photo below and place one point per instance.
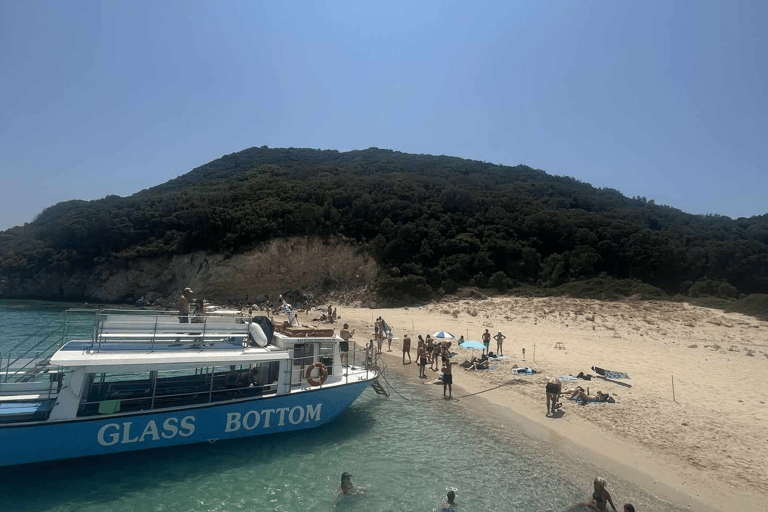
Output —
(378, 388)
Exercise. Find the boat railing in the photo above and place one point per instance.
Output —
(26, 359)
(150, 330)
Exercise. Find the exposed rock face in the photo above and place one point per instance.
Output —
(285, 264)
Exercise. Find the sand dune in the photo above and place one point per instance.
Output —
(708, 443)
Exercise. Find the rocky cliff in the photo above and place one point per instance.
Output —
(304, 264)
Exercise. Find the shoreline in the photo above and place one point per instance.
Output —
(575, 442)
(669, 447)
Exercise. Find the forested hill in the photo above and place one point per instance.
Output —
(431, 222)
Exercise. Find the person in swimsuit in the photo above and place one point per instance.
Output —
(450, 504)
(486, 341)
(499, 340)
(422, 356)
(184, 305)
(600, 497)
(346, 335)
(582, 398)
(554, 388)
(407, 348)
(430, 343)
(447, 377)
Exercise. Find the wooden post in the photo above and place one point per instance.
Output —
(534, 352)
(673, 389)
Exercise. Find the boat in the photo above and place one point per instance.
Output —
(141, 379)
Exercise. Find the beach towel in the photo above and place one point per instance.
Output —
(524, 371)
(609, 374)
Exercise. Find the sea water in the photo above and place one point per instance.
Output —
(405, 452)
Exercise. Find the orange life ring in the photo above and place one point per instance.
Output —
(323, 374)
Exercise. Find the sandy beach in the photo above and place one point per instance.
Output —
(703, 447)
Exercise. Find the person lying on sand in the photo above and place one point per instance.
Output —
(480, 364)
(582, 398)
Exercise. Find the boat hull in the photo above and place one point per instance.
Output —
(22, 444)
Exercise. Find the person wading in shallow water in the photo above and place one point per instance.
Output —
(447, 377)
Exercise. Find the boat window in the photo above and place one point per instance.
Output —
(326, 356)
(109, 393)
(304, 354)
(129, 391)
(174, 388)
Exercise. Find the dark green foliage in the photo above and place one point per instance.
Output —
(436, 223)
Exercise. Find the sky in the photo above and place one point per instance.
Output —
(660, 99)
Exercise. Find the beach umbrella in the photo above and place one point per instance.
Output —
(443, 335)
(472, 344)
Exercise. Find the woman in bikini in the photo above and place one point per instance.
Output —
(553, 389)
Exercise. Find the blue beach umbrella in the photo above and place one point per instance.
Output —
(443, 335)
(472, 344)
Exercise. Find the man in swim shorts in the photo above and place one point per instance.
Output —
(486, 341)
(407, 348)
(447, 377)
(346, 335)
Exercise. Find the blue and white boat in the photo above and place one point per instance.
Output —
(144, 380)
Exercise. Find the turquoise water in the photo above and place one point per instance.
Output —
(406, 454)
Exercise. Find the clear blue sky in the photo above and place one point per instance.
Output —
(663, 99)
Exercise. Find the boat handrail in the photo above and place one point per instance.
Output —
(41, 353)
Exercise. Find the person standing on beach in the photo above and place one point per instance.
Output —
(377, 327)
(184, 305)
(407, 348)
(430, 352)
(421, 355)
(499, 340)
(553, 389)
(486, 341)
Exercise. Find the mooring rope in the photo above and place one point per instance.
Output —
(433, 399)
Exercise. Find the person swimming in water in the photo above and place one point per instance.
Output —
(450, 504)
(346, 488)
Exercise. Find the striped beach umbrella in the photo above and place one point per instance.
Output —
(443, 335)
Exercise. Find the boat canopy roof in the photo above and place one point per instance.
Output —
(136, 360)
